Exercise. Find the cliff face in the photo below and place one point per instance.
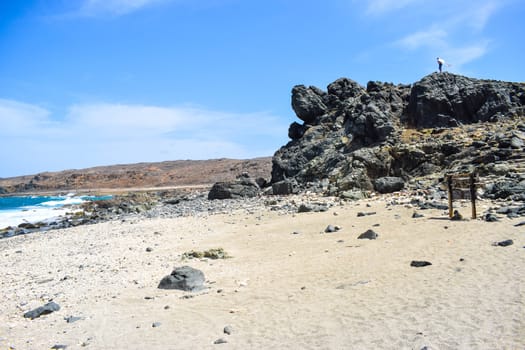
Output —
(351, 137)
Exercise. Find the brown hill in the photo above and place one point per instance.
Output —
(142, 175)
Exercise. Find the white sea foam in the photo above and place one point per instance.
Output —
(16, 217)
(65, 201)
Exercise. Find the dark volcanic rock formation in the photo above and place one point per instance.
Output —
(375, 138)
(450, 100)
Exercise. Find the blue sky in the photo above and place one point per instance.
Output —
(99, 82)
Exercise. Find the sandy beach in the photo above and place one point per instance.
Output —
(287, 285)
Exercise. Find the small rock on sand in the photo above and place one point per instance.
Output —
(331, 228)
(368, 234)
(504, 243)
(42, 310)
(420, 263)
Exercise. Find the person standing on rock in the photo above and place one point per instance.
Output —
(441, 62)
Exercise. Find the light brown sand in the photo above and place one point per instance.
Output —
(311, 290)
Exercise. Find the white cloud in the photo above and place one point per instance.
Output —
(114, 7)
(459, 56)
(454, 31)
(430, 37)
(18, 117)
(481, 14)
(98, 134)
(380, 7)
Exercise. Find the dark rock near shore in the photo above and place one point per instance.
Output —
(184, 278)
(243, 187)
(42, 310)
(389, 184)
(306, 208)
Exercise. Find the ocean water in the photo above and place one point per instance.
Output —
(17, 210)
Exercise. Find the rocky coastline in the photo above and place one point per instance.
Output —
(502, 199)
(355, 141)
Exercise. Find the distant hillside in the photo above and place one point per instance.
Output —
(141, 175)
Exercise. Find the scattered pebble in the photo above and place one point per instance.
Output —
(417, 263)
(489, 217)
(331, 228)
(503, 243)
(360, 214)
(58, 346)
(71, 319)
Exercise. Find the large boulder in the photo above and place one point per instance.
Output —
(243, 187)
(184, 278)
(345, 89)
(389, 184)
(307, 102)
(296, 130)
(285, 187)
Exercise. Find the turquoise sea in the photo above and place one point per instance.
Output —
(17, 210)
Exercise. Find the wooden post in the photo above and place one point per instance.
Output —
(473, 194)
(449, 183)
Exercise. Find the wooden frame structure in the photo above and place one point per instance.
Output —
(460, 181)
